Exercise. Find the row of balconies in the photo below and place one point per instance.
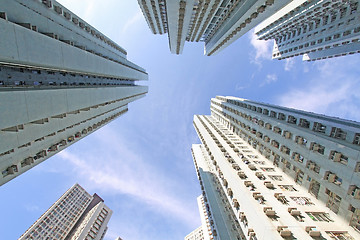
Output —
(337, 133)
(81, 24)
(242, 25)
(301, 141)
(11, 170)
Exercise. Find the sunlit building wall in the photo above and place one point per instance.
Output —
(314, 29)
(275, 172)
(60, 80)
(75, 215)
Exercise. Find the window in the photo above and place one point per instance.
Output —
(297, 157)
(317, 148)
(357, 139)
(289, 188)
(333, 201)
(318, 127)
(285, 149)
(338, 157)
(281, 116)
(287, 134)
(313, 166)
(355, 218)
(277, 130)
(275, 143)
(319, 216)
(332, 178)
(10, 170)
(302, 201)
(268, 169)
(338, 133)
(273, 114)
(314, 188)
(291, 119)
(276, 177)
(304, 123)
(338, 235)
(300, 140)
(357, 167)
(268, 126)
(299, 176)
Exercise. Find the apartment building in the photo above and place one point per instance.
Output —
(270, 172)
(217, 23)
(314, 29)
(75, 215)
(60, 80)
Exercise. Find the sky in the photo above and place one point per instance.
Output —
(141, 163)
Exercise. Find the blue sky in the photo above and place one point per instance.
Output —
(141, 164)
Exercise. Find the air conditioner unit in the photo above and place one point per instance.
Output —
(300, 140)
(316, 147)
(331, 177)
(312, 166)
(287, 135)
(357, 194)
(337, 157)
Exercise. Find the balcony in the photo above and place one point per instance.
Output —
(284, 231)
(242, 175)
(269, 185)
(312, 231)
(269, 212)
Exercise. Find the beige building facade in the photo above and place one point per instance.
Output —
(260, 169)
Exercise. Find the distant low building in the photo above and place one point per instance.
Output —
(75, 215)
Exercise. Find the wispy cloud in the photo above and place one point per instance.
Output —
(289, 63)
(270, 78)
(334, 91)
(262, 49)
(127, 173)
(132, 21)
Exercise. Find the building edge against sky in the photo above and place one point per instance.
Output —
(217, 23)
(314, 29)
(61, 81)
(75, 215)
(267, 170)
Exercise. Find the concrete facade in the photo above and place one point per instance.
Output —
(278, 172)
(216, 22)
(76, 215)
(314, 29)
(60, 80)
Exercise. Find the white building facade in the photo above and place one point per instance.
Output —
(277, 172)
(216, 22)
(75, 215)
(314, 29)
(60, 80)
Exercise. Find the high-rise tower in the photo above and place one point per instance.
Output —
(216, 22)
(75, 215)
(314, 29)
(60, 80)
(270, 172)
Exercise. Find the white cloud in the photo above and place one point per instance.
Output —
(121, 171)
(270, 78)
(334, 91)
(289, 63)
(262, 49)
